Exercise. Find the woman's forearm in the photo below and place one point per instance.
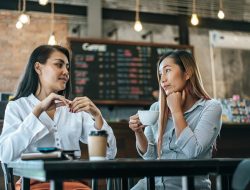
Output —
(141, 141)
(99, 122)
(179, 123)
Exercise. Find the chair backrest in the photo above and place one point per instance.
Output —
(241, 177)
(8, 177)
(3, 105)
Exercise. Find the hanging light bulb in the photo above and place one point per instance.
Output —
(194, 19)
(138, 26)
(43, 2)
(19, 24)
(24, 18)
(52, 39)
(221, 14)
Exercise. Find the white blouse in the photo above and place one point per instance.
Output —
(24, 132)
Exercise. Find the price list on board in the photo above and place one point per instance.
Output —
(111, 71)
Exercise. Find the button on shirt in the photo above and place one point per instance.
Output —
(24, 132)
(196, 141)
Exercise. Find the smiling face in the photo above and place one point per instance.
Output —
(172, 78)
(54, 74)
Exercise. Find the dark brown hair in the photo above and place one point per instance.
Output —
(30, 80)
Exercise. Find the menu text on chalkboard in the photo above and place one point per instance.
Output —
(116, 72)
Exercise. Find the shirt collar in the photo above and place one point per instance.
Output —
(33, 99)
(200, 102)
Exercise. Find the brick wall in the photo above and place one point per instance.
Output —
(16, 45)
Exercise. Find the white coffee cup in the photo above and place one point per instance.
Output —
(148, 117)
(97, 145)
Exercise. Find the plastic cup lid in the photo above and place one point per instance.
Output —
(98, 133)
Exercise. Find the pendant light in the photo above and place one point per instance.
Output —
(194, 19)
(19, 24)
(43, 2)
(221, 14)
(137, 25)
(52, 38)
(24, 18)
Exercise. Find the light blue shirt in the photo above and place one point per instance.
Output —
(196, 141)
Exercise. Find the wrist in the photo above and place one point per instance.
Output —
(98, 117)
(139, 133)
(98, 122)
(177, 114)
(37, 110)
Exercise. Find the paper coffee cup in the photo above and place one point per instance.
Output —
(97, 145)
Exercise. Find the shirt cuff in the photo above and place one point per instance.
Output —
(105, 125)
(149, 154)
(36, 126)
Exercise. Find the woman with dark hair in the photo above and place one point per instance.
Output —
(41, 115)
(189, 120)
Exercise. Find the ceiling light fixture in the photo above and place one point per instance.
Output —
(194, 19)
(138, 25)
(43, 2)
(24, 18)
(221, 14)
(19, 24)
(52, 38)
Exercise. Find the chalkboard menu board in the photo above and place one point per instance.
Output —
(116, 72)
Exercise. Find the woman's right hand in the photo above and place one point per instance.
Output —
(135, 124)
(137, 127)
(51, 102)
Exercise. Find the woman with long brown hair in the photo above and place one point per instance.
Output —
(189, 120)
(42, 114)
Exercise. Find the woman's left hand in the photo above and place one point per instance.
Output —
(84, 104)
(175, 101)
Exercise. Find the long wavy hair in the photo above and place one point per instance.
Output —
(194, 84)
(30, 80)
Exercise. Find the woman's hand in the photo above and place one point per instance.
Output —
(175, 101)
(84, 104)
(50, 103)
(137, 127)
(135, 124)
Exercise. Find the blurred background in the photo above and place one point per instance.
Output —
(217, 32)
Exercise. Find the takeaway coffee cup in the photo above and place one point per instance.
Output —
(97, 145)
(148, 117)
